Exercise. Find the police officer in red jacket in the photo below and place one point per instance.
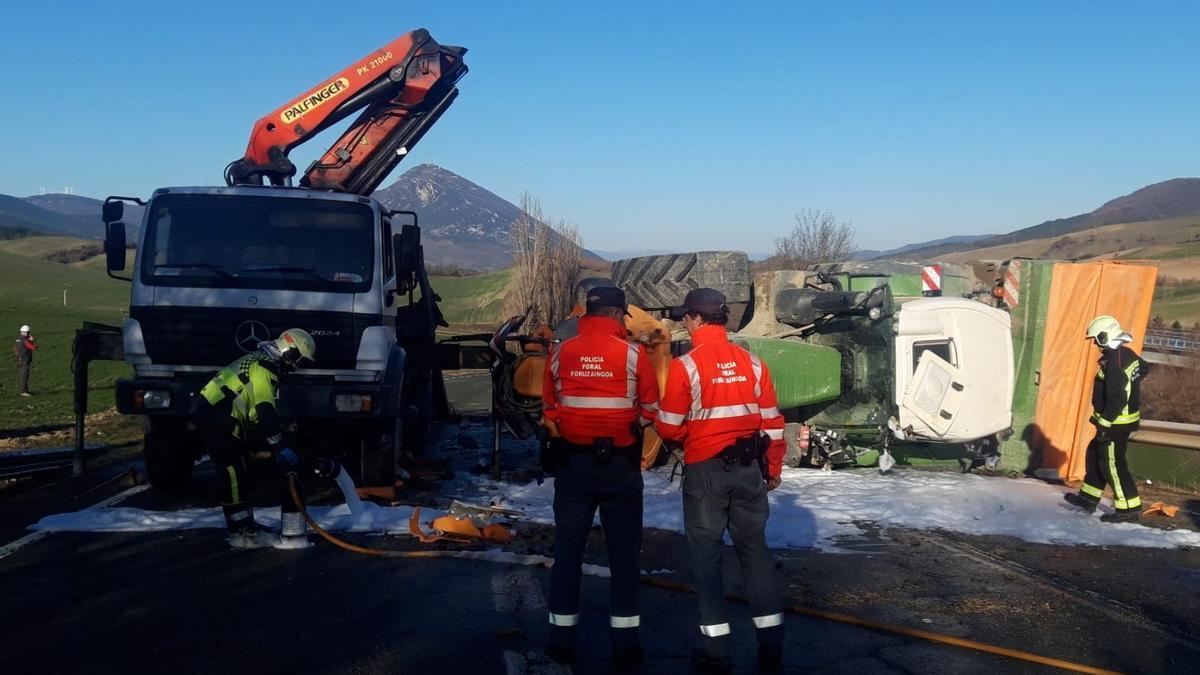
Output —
(599, 391)
(720, 404)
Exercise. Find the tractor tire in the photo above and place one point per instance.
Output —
(586, 284)
(662, 281)
(169, 456)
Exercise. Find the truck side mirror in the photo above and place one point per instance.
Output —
(113, 211)
(114, 241)
(407, 249)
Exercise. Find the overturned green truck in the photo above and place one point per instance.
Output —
(862, 363)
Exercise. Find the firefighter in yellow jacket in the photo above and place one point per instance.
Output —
(240, 401)
(1116, 412)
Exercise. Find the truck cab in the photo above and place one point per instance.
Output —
(953, 371)
(220, 269)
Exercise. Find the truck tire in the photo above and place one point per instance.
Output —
(661, 281)
(169, 455)
(419, 410)
(380, 453)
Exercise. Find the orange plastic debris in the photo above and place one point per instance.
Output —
(457, 530)
(1165, 509)
(381, 493)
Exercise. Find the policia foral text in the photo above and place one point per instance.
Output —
(1116, 412)
(598, 393)
(719, 402)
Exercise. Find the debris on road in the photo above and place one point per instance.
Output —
(1159, 507)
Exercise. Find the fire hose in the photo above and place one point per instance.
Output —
(669, 585)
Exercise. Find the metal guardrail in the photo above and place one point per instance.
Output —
(1172, 341)
(1170, 434)
(23, 463)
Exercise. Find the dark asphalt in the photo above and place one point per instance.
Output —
(182, 601)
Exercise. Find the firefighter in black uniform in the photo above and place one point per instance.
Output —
(240, 401)
(1116, 412)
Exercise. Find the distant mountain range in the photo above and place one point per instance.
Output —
(467, 225)
(58, 214)
(1175, 198)
(461, 223)
(868, 254)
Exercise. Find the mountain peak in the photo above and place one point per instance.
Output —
(462, 223)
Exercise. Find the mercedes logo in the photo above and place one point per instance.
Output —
(249, 334)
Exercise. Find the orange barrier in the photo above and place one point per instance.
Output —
(1078, 293)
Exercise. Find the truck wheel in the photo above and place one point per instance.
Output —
(418, 420)
(169, 456)
(380, 455)
(662, 281)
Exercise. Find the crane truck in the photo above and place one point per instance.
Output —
(219, 269)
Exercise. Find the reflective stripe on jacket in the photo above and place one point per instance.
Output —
(597, 385)
(716, 394)
(1116, 394)
(251, 385)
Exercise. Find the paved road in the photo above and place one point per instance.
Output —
(182, 601)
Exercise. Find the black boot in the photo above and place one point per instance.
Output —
(770, 657)
(243, 531)
(559, 654)
(1085, 502)
(707, 663)
(627, 657)
(1123, 516)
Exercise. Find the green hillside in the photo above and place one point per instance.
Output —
(39, 247)
(31, 292)
(478, 298)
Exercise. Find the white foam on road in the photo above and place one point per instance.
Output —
(812, 509)
(13, 547)
(816, 509)
(346, 485)
(371, 518)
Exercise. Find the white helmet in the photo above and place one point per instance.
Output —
(1104, 329)
(293, 346)
(25, 328)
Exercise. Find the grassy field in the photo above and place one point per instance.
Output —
(31, 292)
(39, 247)
(1177, 303)
(477, 299)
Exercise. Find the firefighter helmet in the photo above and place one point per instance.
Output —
(294, 345)
(1103, 329)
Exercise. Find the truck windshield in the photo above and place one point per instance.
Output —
(232, 241)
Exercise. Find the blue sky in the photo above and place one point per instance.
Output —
(664, 125)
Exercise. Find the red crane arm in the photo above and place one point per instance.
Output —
(401, 89)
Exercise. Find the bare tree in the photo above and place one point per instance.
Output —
(546, 265)
(816, 237)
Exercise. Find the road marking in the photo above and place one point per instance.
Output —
(14, 546)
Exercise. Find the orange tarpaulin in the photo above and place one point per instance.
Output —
(1079, 293)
